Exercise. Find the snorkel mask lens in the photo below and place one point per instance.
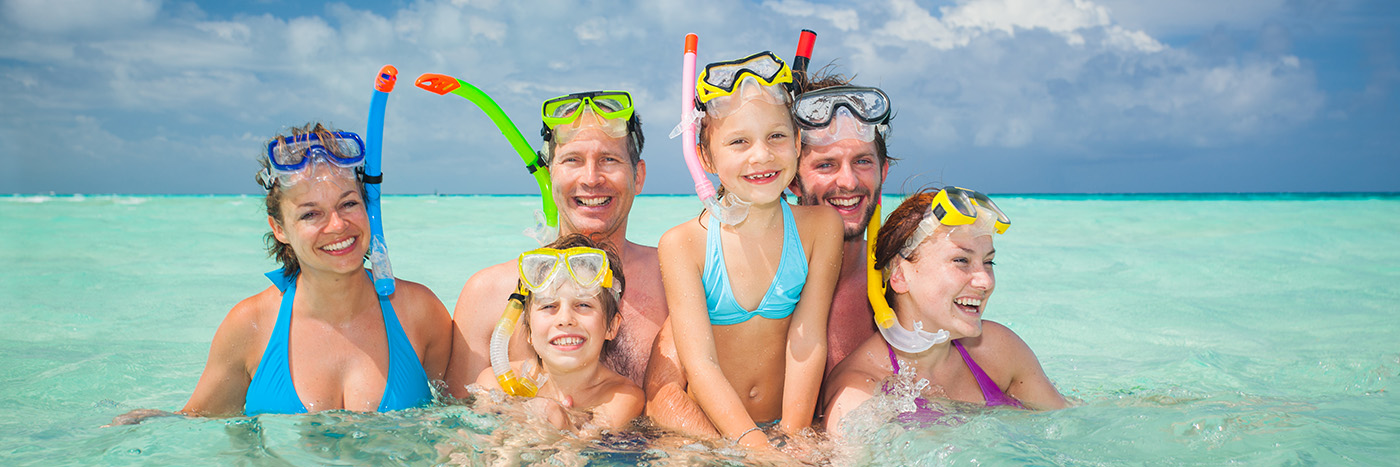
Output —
(841, 127)
(723, 78)
(958, 206)
(587, 267)
(293, 153)
(565, 116)
(291, 159)
(953, 207)
(842, 112)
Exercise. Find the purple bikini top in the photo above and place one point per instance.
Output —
(990, 391)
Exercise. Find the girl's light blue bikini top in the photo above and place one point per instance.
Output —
(271, 390)
(783, 292)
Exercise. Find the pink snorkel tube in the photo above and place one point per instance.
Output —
(703, 188)
(732, 210)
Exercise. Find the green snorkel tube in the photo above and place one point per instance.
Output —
(374, 138)
(442, 84)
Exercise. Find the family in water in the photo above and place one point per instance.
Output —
(752, 322)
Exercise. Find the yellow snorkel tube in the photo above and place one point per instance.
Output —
(894, 333)
(524, 385)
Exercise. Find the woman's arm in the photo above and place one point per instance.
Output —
(806, 339)
(851, 387)
(1028, 381)
(433, 335)
(223, 386)
(681, 251)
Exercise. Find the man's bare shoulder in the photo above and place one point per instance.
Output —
(642, 255)
(492, 277)
(491, 280)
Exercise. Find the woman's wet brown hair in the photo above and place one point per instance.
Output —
(901, 224)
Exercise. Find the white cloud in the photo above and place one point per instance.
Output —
(1018, 74)
(58, 16)
(1185, 16)
(959, 25)
(843, 19)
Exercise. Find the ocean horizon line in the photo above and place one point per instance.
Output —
(1141, 196)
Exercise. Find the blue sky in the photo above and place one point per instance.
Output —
(1006, 96)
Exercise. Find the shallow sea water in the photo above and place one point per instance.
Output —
(1257, 330)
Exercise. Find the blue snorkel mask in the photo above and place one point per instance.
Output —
(295, 158)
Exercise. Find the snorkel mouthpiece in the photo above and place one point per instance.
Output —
(915, 341)
(524, 385)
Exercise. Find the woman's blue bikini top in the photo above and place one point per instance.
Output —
(271, 390)
(783, 292)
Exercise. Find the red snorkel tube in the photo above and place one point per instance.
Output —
(805, 41)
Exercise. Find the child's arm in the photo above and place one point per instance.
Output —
(626, 403)
(552, 411)
(1028, 381)
(806, 344)
(681, 252)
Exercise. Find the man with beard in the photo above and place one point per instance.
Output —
(843, 164)
(593, 152)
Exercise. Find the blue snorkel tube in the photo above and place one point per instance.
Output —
(374, 138)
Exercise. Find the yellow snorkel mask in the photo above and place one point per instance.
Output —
(724, 87)
(542, 271)
(952, 206)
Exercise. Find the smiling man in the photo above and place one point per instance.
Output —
(593, 151)
(843, 164)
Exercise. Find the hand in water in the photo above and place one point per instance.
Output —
(137, 416)
(555, 412)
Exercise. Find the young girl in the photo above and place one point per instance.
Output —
(748, 297)
(570, 291)
(936, 253)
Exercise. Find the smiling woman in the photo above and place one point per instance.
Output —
(337, 345)
(936, 256)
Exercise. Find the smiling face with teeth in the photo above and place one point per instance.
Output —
(947, 280)
(753, 150)
(846, 175)
(569, 333)
(324, 222)
(594, 183)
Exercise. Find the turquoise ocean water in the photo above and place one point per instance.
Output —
(1257, 330)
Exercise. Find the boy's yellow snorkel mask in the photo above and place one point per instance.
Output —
(542, 271)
